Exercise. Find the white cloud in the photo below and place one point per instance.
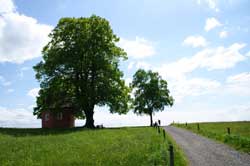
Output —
(195, 41)
(128, 81)
(19, 117)
(209, 58)
(131, 65)
(21, 37)
(223, 34)
(4, 82)
(143, 65)
(212, 4)
(33, 92)
(184, 87)
(138, 48)
(139, 65)
(238, 84)
(211, 23)
(180, 83)
(239, 78)
(22, 70)
(221, 57)
(248, 54)
(6, 6)
(25, 68)
(31, 107)
(10, 90)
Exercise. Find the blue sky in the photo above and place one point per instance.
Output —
(201, 47)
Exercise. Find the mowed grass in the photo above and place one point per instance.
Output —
(104, 147)
(239, 137)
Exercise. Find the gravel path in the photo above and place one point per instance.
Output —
(205, 152)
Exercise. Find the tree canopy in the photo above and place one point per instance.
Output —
(80, 66)
(151, 93)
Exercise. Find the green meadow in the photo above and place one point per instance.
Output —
(239, 137)
(101, 147)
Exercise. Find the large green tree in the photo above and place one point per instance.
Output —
(151, 93)
(81, 66)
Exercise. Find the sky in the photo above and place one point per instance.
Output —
(201, 47)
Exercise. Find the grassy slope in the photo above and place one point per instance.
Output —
(239, 138)
(124, 146)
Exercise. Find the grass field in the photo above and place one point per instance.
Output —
(104, 147)
(239, 137)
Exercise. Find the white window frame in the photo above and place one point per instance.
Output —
(59, 116)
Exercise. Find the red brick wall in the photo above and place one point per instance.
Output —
(52, 121)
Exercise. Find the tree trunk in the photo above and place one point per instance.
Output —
(151, 119)
(89, 118)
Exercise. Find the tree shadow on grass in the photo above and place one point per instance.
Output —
(23, 132)
(20, 132)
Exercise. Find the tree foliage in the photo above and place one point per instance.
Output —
(151, 93)
(81, 66)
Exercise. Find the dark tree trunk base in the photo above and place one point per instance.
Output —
(89, 119)
(89, 127)
(151, 119)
